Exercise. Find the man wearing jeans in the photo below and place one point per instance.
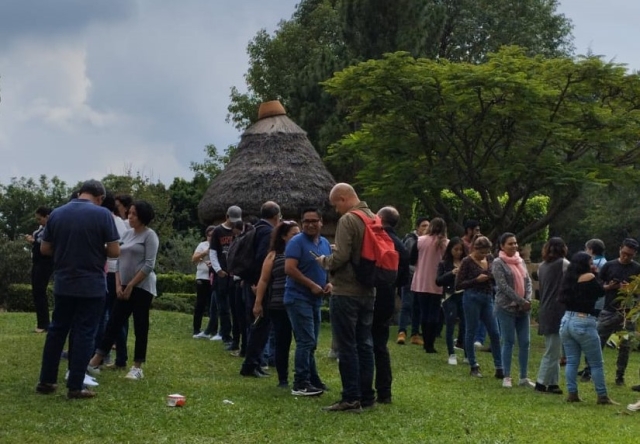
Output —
(80, 236)
(306, 284)
(351, 304)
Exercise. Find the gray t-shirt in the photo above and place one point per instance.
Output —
(138, 253)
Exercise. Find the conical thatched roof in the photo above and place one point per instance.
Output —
(274, 161)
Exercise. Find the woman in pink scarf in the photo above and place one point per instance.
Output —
(513, 306)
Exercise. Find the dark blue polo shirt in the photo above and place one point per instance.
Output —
(78, 232)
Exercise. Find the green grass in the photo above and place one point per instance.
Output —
(433, 402)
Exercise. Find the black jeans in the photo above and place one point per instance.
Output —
(382, 314)
(430, 313)
(40, 274)
(139, 304)
(452, 307)
(121, 339)
(203, 295)
(283, 332)
(238, 318)
(351, 320)
(257, 338)
(224, 291)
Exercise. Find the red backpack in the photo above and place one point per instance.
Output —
(379, 259)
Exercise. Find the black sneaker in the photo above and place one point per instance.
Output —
(499, 373)
(541, 388)
(475, 372)
(636, 388)
(586, 376)
(554, 389)
(344, 406)
(305, 390)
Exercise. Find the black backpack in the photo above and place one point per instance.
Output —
(241, 254)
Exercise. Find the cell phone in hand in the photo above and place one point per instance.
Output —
(314, 254)
(257, 321)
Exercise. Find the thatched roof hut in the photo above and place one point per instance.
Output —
(274, 161)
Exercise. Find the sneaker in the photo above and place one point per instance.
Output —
(215, 338)
(232, 347)
(370, 403)
(135, 373)
(283, 385)
(458, 345)
(499, 374)
(416, 340)
(526, 382)
(475, 372)
(235, 353)
(201, 335)
(94, 371)
(305, 389)
(506, 382)
(477, 344)
(402, 338)
(453, 360)
(634, 407)
(554, 389)
(344, 406)
(89, 381)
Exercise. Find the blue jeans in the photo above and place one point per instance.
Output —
(579, 334)
(478, 308)
(513, 325)
(351, 320)
(549, 372)
(81, 315)
(409, 312)
(481, 334)
(305, 322)
(452, 307)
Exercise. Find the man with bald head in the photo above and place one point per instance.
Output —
(351, 304)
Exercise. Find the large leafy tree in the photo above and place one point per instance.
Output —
(20, 198)
(324, 36)
(511, 129)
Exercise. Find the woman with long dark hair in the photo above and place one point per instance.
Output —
(452, 304)
(579, 293)
(550, 313)
(270, 296)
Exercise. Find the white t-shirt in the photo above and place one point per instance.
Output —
(121, 227)
(202, 270)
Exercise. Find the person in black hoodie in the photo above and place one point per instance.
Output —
(452, 304)
(384, 307)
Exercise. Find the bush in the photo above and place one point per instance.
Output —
(19, 298)
(181, 302)
(176, 283)
(15, 265)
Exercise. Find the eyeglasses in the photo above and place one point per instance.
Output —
(310, 221)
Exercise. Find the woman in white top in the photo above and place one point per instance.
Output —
(203, 283)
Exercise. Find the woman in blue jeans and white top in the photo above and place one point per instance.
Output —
(475, 278)
(513, 307)
(579, 293)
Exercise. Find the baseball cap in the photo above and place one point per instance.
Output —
(235, 213)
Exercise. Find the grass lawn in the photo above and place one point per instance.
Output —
(432, 401)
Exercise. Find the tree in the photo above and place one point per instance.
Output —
(21, 197)
(325, 36)
(515, 125)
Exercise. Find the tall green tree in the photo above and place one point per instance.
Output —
(20, 198)
(516, 125)
(325, 36)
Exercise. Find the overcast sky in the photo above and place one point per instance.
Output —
(92, 87)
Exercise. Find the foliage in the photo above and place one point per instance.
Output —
(19, 298)
(20, 198)
(175, 252)
(207, 375)
(176, 283)
(517, 125)
(630, 307)
(325, 36)
(181, 302)
(15, 265)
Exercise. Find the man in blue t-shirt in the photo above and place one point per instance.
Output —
(80, 236)
(306, 283)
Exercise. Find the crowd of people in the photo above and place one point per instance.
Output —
(103, 255)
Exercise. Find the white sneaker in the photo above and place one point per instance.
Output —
(216, 338)
(634, 407)
(526, 382)
(453, 360)
(506, 382)
(477, 344)
(89, 381)
(201, 335)
(135, 373)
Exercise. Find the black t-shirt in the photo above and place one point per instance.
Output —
(614, 270)
(221, 239)
(583, 296)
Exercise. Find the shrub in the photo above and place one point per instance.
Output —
(176, 283)
(19, 298)
(181, 302)
(15, 265)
